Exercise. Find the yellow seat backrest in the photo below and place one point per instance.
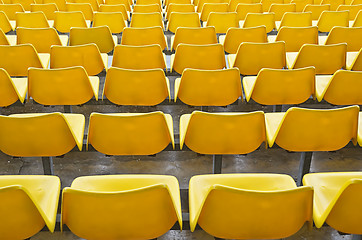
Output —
(236, 36)
(205, 35)
(296, 19)
(114, 20)
(31, 20)
(296, 37)
(351, 36)
(222, 133)
(101, 36)
(144, 36)
(260, 19)
(222, 21)
(10, 91)
(136, 87)
(130, 133)
(85, 8)
(48, 9)
(17, 59)
(208, 87)
(11, 9)
(207, 57)
(278, 87)
(40, 134)
(173, 7)
(87, 56)
(330, 19)
(252, 57)
(242, 9)
(325, 58)
(303, 130)
(281, 8)
(65, 20)
(138, 57)
(65, 86)
(41, 38)
(316, 10)
(146, 20)
(5, 25)
(183, 19)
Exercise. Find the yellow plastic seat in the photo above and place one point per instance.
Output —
(351, 36)
(66, 86)
(337, 200)
(32, 20)
(306, 130)
(11, 89)
(334, 3)
(130, 133)
(41, 38)
(115, 206)
(325, 58)
(48, 9)
(354, 61)
(84, 8)
(139, 57)
(93, 3)
(259, 19)
(115, 21)
(358, 20)
(147, 2)
(17, 59)
(182, 19)
(5, 24)
(279, 9)
(222, 21)
(141, 20)
(66, 20)
(136, 87)
(234, 3)
(127, 3)
(41, 134)
(168, 2)
(28, 203)
(330, 19)
(144, 36)
(24, 3)
(213, 7)
(300, 4)
(343, 88)
(242, 9)
(296, 37)
(235, 36)
(149, 8)
(249, 205)
(252, 57)
(278, 87)
(208, 87)
(11, 9)
(207, 57)
(87, 56)
(295, 19)
(60, 3)
(353, 10)
(101, 36)
(119, 8)
(187, 8)
(316, 10)
(200, 3)
(222, 133)
(267, 3)
(199, 36)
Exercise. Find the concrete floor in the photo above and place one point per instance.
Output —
(183, 164)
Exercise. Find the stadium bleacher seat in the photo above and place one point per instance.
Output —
(48, 9)
(222, 21)
(12, 89)
(113, 20)
(259, 19)
(249, 206)
(136, 87)
(28, 203)
(114, 206)
(183, 19)
(212, 7)
(130, 133)
(295, 19)
(198, 36)
(65, 86)
(274, 86)
(208, 87)
(64, 21)
(147, 20)
(144, 36)
(337, 200)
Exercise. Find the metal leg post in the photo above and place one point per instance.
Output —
(304, 166)
(48, 165)
(217, 164)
